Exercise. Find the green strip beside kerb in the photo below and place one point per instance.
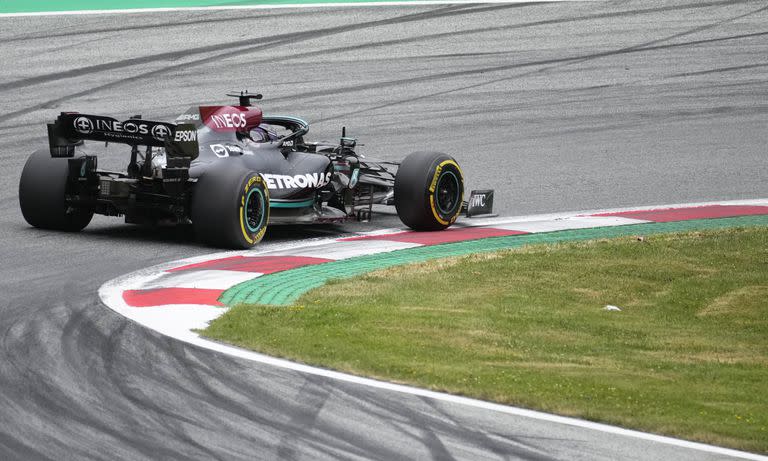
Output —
(283, 288)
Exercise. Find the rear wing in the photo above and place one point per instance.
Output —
(70, 129)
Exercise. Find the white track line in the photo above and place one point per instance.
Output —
(111, 295)
(280, 6)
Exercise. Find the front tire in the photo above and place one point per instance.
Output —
(42, 195)
(230, 206)
(429, 189)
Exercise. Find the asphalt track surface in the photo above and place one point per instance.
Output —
(556, 106)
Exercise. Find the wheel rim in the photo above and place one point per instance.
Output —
(447, 193)
(254, 210)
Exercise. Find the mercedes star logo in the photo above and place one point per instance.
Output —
(160, 132)
(83, 125)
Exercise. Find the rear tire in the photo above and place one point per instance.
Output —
(42, 190)
(230, 206)
(429, 189)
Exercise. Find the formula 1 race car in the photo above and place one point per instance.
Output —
(229, 170)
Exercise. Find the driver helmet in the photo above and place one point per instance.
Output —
(262, 134)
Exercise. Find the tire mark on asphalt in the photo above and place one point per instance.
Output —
(122, 382)
(441, 422)
(297, 37)
(695, 30)
(301, 425)
(345, 436)
(82, 334)
(247, 44)
(286, 38)
(720, 70)
(47, 393)
(165, 25)
(167, 418)
(316, 391)
(13, 449)
(314, 395)
(543, 62)
(511, 447)
(714, 112)
(485, 30)
(435, 446)
(289, 39)
(10, 338)
(211, 388)
(553, 63)
(566, 20)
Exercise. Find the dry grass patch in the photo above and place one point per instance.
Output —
(739, 302)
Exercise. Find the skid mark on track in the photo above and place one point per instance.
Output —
(247, 46)
(564, 60)
(285, 39)
(549, 65)
(721, 70)
(485, 30)
(167, 26)
(238, 47)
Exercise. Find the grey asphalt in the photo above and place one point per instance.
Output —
(556, 106)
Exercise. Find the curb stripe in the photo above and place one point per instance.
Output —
(206, 279)
(286, 287)
(703, 212)
(449, 235)
(342, 249)
(167, 296)
(585, 222)
(260, 264)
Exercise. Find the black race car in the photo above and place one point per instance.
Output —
(230, 171)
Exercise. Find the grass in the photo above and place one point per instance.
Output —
(687, 355)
